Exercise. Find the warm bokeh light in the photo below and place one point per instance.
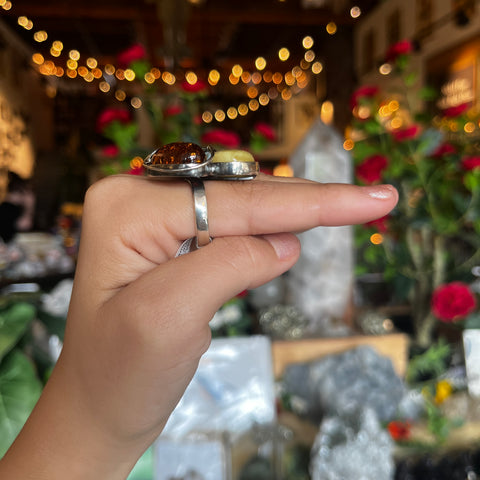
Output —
(237, 70)
(104, 87)
(283, 170)
(233, 79)
(272, 93)
(129, 75)
(309, 56)
(385, 69)
(326, 112)
(71, 73)
(256, 78)
(120, 95)
(22, 21)
(191, 78)
(277, 78)
(283, 54)
(219, 115)
(289, 79)
(149, 78)
(348, 144)
(355, 12)
(317, 67)
(253, 105)
(469, 127)
(74, 55)
(286, 94)
(40, 36)
(376, 238)
(242, 109)
(82, 71)
(213, 77)
(136, 102)
(38, 58)
(92, 62)
(260, 63)
(246, 77)
(331, 28)
(232, 113)
(252, 92)
(136, 162)
(57, 45)
(72, 64)
(109, 69)
(55, 53)
(307, 42)
(267, 76)
(263, 99)
(207, 117)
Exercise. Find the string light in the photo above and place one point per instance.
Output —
(295, 77)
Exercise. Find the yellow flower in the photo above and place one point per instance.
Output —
(443, 391)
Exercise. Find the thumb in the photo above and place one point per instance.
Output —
(205, 279)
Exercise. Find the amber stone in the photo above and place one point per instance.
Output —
(178, 153)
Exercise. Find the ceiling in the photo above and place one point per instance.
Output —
(188, 33)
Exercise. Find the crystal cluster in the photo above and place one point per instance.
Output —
(352, 447)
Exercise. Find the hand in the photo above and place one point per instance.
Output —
(138, 319)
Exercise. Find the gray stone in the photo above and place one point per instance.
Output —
(342, 383)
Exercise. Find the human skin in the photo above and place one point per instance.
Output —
(138, 319)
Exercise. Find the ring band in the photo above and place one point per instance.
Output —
(201, 212)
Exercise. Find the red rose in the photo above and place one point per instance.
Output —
(399, 430)
(380, 224)
(453, 301)
(266, 131)
(471, 163)
(110, 151)
(455, 111)
(370, 170)
(198, 86)
(131, 54)
(221, 137)
(403, 47)
(444, 149)
(367, 91)
(173, 110)
(406, 133)
(110, 115)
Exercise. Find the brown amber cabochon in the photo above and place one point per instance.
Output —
(178, 153)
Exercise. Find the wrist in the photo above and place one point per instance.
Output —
(62, 440)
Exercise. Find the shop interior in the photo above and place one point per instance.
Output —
(361, 360)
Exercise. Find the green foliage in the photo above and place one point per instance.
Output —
(19, 391)
(430, 363)
(21, 376)
(13, 324)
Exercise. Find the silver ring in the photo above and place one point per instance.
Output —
(201, 212)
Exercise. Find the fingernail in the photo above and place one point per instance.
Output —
(381, 192)
(285, 245)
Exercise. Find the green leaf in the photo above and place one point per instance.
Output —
(19, 391)
(13, 324)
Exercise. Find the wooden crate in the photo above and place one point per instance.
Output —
(286, 352)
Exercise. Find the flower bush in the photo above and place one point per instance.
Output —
(432, 157)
